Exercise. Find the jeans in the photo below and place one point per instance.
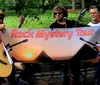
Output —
(74, 66)
(97, 73)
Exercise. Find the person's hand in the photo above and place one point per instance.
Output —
(98, 57)
(2, 28)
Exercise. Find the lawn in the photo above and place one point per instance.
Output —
(41, 21)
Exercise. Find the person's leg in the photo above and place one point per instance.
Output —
(1, 80)
(27, 75)
(97, 73)
(32, 74)
(11, 77)
(75, 68)
(65, 78)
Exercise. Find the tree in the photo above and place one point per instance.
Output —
(19, 6)
(83, 4)
(3, 4)
(63, 2)
(73, 5)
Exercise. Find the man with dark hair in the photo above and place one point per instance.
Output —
(61, 14)
(95, 21)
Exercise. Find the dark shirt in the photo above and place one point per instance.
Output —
(70, 24)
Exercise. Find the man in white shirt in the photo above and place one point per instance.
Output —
(95, 21)
(95, 16)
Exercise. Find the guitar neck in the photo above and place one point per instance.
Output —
(15, 44)
(87, 41)
(19, 25)
(18, 43)
(90, 43)
(93, 45)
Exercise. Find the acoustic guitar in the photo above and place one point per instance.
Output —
(5, 65)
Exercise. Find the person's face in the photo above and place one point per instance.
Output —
(58, 15)
(95, 14)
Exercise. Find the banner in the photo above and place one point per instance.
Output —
(32, 45)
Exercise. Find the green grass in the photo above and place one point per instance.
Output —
(11, 21)
(45, 19)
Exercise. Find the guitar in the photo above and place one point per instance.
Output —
(21, 21)
(5, 65)
(95, 60)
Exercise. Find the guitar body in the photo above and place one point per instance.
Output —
(93, 60)
(5, 66)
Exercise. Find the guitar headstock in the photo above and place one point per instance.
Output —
(82, 39)
(25, 40)
(22, 19)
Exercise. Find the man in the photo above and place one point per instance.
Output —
(95, 15)
(95, 21)
(20, 66)
(10, 78)
(60, 14)
(61, 22)
(1, 29)
(1, 21)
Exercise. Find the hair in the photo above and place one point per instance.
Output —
(63, 9)
(2, 14)
(95, 6)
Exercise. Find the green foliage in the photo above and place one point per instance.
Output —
(64, 2)
(74, 16)
(6, 5)
(2, 5)
(11, 21)
(32, 12)
(52, 3)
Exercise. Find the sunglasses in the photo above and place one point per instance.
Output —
(58, 13)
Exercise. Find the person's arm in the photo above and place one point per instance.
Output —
(2, 28)
(0, 40)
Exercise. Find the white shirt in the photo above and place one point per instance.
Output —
(92, 24)
(98, 45)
